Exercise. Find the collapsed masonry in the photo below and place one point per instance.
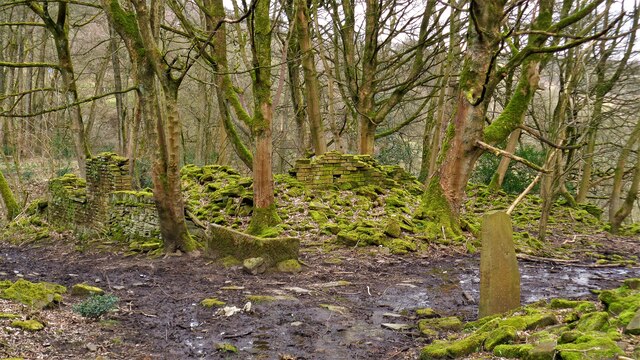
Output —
(105, 203)
(346, 172)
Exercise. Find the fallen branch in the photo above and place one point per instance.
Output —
(511, 156)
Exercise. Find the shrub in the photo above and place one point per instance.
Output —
(96, 306)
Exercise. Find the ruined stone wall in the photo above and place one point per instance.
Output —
(133, 216)
(68, 201)
(346, 171)
(106, 173)
(104, 202)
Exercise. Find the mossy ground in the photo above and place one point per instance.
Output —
(574, 330)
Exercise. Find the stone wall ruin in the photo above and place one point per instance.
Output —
(346, 172)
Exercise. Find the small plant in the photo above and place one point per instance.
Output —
(96, 306)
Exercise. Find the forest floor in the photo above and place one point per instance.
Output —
(334, 308)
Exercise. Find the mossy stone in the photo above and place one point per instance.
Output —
(569, 337)
(633, 283)
(520, 351)
(399, 246)
(633, 327)
(567, 304)
(212, 302)
(499, 336)
(426, 313)
(254, 266)
(592, 346)
(85, 290)
(451, 323)
(318, 217)
(9, 316)
(226, 348)
(28, 325)
(436, 350)
(289, 266)
(592, 322)
(392, 228)
(543, 351)
(37, 295)
(230, 261)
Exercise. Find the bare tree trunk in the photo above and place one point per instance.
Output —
(501, 171)
(618, 213)
(312, 84)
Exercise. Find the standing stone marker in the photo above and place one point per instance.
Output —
(499, 274)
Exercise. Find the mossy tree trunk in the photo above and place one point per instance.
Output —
(311, 82)
(264, 210)
(139, 29)
(8, 198)
(295, 82)
(59, 29)
(478, 80)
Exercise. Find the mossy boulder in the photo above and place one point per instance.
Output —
(38, 295)
(392, 228)
(633, 328)
(633, 283)
(426, 313)
(289, 266)
(85, 290)
(592, 346)
(520, 351)
(499, 336)
(594, 321)
(451, 323)
(221, 242)
(28, 325)
(226, 348)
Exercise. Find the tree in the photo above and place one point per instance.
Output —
(467, 136)
(139, 28)
(371, 85)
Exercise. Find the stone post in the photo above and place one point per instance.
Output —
(499, 274)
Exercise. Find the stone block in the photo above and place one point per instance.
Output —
(499, 273)
(221, 241)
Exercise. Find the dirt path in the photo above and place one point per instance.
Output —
(334, 309)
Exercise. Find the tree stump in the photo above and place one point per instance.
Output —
(499, 274)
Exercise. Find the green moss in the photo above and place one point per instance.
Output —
(569, 337)
(9, 316)
(260, 299)
(592, 322)
(226, 348)
(28, 325)
(318, 217)
(263, 221)
(399, 246)
(426, 313)
(520, 351)
(440, 324)
(37, 295)
(212, 302)
(436, 350)
(85, 290)
(289, 266)
(569, 304)
(499, 336)
(633, 283)
(230, 261)
(592, 346)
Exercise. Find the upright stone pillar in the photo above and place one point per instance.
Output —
(499, 274)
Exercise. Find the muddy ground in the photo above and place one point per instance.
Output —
(333, 309)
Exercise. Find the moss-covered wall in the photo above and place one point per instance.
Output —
(347, 171)
(104, 202)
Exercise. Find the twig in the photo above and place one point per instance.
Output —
(501, 152)
(233, 336)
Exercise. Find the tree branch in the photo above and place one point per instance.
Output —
(500, 152)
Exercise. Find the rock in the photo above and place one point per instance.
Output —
(392, 228)
(499, 336)
(543, 351)
(428, 326)
(85, 290)
(590, 346)
(227, 348)
(28, 325)
(499, 274)
(520, 351)
(393, 326)
(298, 290)
(592, 322)
(289, 266)
(335, 308)
(426, 313)
(296, 323)
(254, 266)
(38, 295)
(92, 347)
(633, 328)
(318, 217)
(633, 283)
